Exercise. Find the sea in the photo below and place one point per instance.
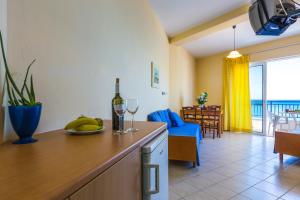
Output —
(274, 106)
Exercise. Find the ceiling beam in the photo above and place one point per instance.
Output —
(222, 22)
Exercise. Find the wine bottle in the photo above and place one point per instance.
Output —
(117, 122)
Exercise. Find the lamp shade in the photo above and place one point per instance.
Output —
(234, 54)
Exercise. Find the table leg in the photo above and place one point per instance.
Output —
(281, 157)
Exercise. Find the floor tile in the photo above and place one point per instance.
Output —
(234, 185)
(200, 195)
(256, 194)
(267, 168)
(282, 181)
(275, 190)
(226, 171)
(239, 197)
(293, 194)
(173, 196)
(244, 178)
(219, 192)
(199, 182)
(237, 167)
(258, 174)
(214, 177)
(183, 189)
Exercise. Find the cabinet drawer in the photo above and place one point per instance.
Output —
(121, 181)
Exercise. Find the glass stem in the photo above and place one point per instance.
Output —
(132, 121)
(120, 126)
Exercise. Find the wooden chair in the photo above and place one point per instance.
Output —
(189, 114)
(214, 107)
(199, 117)
(211, 119)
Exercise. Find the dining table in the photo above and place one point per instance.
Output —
(197, 115)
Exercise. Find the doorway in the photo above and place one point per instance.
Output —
(257, 73)
(275, 95)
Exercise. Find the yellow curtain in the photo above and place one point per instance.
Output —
(237, 104)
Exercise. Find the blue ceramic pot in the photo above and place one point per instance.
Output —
(25, 120)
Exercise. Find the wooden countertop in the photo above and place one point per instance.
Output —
(59, 164)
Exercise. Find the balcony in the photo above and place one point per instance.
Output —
(276, 107)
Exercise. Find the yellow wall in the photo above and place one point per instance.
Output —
(182, 78)
(81, 47)
(209, 69)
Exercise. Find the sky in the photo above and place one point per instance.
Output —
(283, 80)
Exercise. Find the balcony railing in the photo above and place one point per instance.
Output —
(277, 107)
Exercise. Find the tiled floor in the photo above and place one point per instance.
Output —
(238, 167)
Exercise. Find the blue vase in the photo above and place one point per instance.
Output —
(25, 120)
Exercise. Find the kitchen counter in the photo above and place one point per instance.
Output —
(59, 164)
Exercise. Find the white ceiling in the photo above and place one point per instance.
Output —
(223, 40)
(179, 15)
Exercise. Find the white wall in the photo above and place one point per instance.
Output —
(3, 27)
(182, 78)
(81, 47)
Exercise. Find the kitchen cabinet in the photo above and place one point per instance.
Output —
(122, 181)
(60, 166)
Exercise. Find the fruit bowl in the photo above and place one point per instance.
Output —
(75, 132)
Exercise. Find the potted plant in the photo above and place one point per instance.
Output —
(202, 99)
(24, 111)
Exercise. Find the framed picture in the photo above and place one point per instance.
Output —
(154, 76)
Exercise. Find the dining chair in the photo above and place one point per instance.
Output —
(214, 107)
(211, 121)
(189, 114)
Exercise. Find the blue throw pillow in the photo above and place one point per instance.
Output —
(176, 120)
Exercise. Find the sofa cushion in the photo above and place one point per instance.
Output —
(154, 117)
(164, 116)
(176, 120)
(161, 116)
(187, 130)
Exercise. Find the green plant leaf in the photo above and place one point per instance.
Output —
(27, 72)
(7, 70)
(15, 98)
(11, 102)
(29, 95)
(12, 87)
(32, 89)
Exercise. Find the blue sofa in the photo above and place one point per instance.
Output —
(184, 138)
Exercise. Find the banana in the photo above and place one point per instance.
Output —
(81, 121)
(88, 127)
(100, 121)
(82, 116)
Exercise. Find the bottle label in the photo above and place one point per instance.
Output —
(120, 107)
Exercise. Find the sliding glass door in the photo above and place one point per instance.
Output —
(258, 97)
(274, 87)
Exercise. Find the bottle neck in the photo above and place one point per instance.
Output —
(117, 90)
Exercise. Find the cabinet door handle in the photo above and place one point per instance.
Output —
(148, 167)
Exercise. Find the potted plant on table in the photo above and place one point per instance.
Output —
(202, 99)
(24, 111)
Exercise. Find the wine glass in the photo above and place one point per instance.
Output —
(132, 108)
(120, 110)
